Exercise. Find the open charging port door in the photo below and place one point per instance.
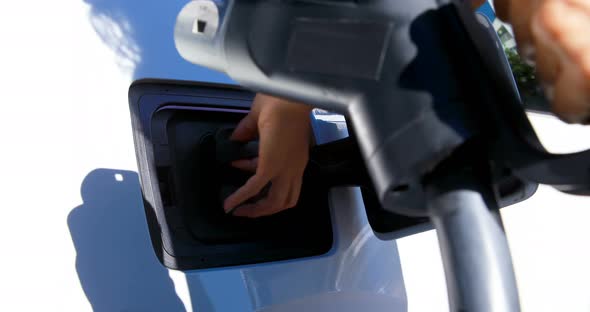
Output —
(177, 126)
(174, 126)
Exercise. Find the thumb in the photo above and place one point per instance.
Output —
(247, 129)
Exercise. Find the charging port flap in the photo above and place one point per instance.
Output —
(183, 182)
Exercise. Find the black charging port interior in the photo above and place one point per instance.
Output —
(183, 186)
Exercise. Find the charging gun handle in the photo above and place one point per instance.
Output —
(473, 245)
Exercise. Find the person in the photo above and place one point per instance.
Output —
(553, 34)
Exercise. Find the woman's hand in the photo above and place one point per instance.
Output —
(555, 35)
(284, 131)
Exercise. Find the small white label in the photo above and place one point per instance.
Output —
(206, 20)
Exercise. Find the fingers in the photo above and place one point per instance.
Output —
(276, 201)
(249, 165)
(571, 106)
(564, 56)
(252, 187)
(246, 130)
(520, 15)
(548, 56)
(547, 61)
(502, 8)
(570, 34)
(582, 4)
(283, 128)
(295, 192)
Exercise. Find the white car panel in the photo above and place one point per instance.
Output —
(72, 227)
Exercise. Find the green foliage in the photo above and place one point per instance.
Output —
(524, 74)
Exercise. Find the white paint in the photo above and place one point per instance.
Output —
(549, 234)
(65, 114)
(63, 103)
(182, 288)
(423, 272)
(559, 137)
(208, 14)
(362, 272)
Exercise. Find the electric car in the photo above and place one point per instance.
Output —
(104, 125)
